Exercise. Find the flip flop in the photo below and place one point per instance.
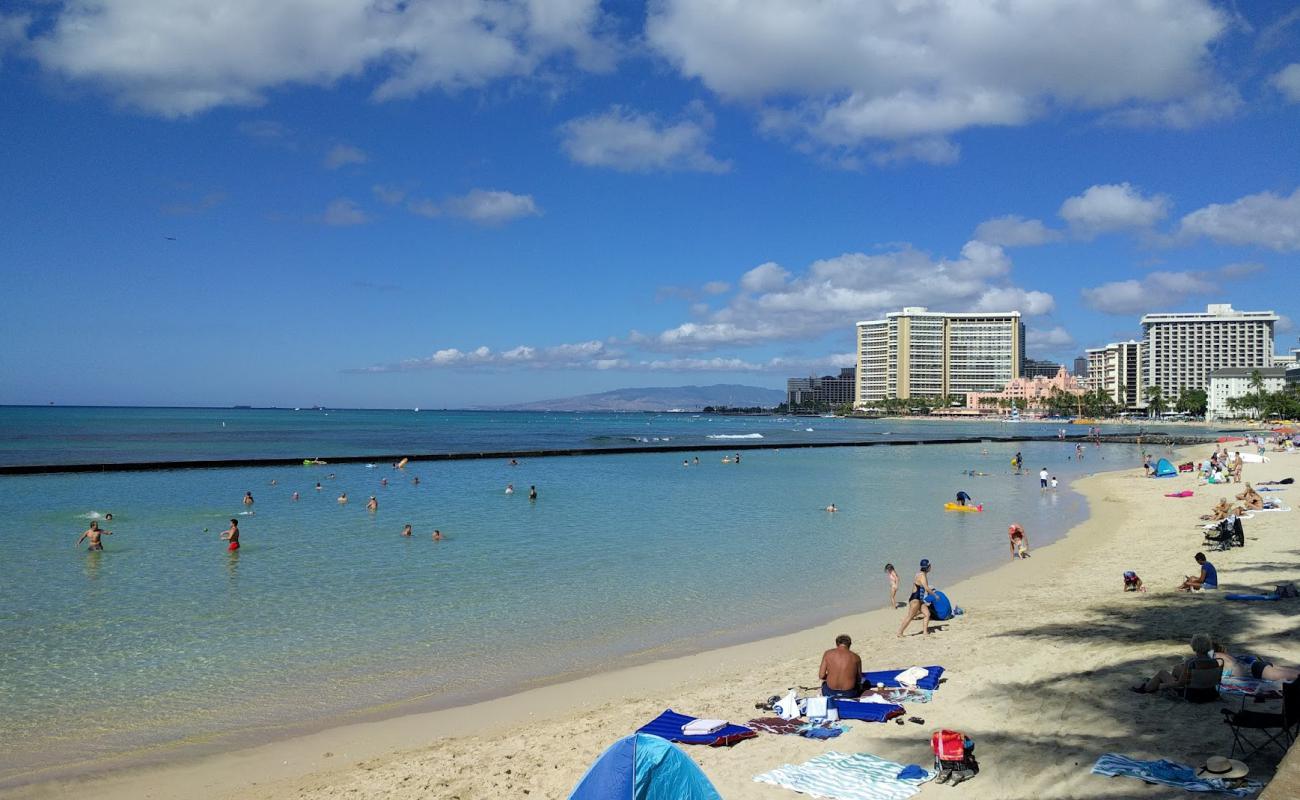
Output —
(917, 720)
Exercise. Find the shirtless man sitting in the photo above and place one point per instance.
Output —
(1252, 500)
(93, 534)
(841, 670)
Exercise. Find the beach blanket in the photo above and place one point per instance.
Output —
(889, 678)
(1270, 489)
(826, 729)
(1251, 597)
(1169, 773)
(897, 695)
(1250, 687)
(843, 776)
(1183, 493)
(867, 710)
(669, 724)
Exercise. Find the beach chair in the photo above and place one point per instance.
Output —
(1201, 681)
(1277, 728)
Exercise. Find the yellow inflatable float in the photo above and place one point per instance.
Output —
(959, 507)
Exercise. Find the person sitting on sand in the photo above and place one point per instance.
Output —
(893, 585)
(1220, 511)
(963, 498)
(1132, 583)
(93, 533)
(1207, 579)
(1251, 499)
(1018, 540)
(916, 600)
(841, 670)
(1252, 666)
(1181, 675)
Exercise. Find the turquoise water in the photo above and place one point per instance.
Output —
(327, 610)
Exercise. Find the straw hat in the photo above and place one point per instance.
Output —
(1227, 769)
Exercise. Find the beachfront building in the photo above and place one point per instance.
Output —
(1116, 369)
(1233, 382)
(1080, 366)
(1025, 393)
(1182, 349)
(829, 391)
(1035, 368)
(918, 353)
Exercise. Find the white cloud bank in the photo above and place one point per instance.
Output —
(1287, 81)
(183, 57)
(843, 74)
(344, 213)
(1264, 219)
(1112, 207)
(630, 141)
(340, 155)
(1160, 289)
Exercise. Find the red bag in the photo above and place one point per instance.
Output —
(948, 745)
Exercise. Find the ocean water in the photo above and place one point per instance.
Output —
(165, 638)
(58, 435)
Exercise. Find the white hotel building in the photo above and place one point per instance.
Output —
(1181, 350)
(921, 353)
(1117, 370)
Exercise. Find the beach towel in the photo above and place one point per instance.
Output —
(868, 710)
(776, 725)
(843, 776)
(1251, 597)
(669, 724)
(1250, 687)
(1169, 773)
(1270, 489)
(889, 678)
(1283, 482)
(1183, 493)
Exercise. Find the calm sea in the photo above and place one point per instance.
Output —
(327, 611)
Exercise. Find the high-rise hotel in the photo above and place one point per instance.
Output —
(1180, 350)
(921, 353)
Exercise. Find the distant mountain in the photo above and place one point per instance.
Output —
(660, 398)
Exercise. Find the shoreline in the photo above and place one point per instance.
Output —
(723, 681)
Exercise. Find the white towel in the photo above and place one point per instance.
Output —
(911, 675)
(703, 727)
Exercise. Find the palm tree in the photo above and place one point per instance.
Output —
(1155, 401)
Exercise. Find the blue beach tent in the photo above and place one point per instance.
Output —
(1164, 469)
(644, 767)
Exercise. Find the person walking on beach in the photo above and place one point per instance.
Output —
(248, 498)
(231, 535)
(916, 600)
(841, 670)
(892, 574)
(1019, 541)
(93, 533)
(1207, 579)
(372, 505)
(1054, 482)
(1042, 478)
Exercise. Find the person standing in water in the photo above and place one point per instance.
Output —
(406, 531)
(248, 498)
(963, 498)
(510, 488)
(916, 600)
(231, 535)
(372, 505)
(437, 535)
(294, 497)
(1019, 542)
(93, 533)
(343, 499)
(532, 492)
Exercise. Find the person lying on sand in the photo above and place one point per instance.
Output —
(1252, 666)
(1182, 672)
(841, 669)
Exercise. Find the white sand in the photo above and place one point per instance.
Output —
(1038, 670)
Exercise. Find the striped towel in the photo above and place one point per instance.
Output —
(1170, 773)
(1249, 687)
(844, 776)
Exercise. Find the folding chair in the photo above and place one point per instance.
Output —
(1277, 728)
(1201, 680)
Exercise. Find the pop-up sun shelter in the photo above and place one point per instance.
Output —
(1164, 469)
(644, 767)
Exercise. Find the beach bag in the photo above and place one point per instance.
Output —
(787, 707)
(1286, 590)
(954, 757)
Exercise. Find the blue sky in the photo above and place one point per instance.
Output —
(363, 203)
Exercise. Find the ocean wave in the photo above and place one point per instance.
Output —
(734, 436)
(637, 439)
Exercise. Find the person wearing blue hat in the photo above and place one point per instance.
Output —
(916, 600)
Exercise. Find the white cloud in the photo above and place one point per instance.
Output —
(1048, 338)
(267, 129)
(341, 155)
(13, 31)
(1155, 290)
(388, 195)
(631, 141)
(1287, 81)
(1214, 103)
(1284, 324)
(1263, 219)
(1015, 231)
(1113, 207)
(716, 287)
(845, 75)
(764, 278)
(928, 150)
(343, 212)
(183, 57)
(491, 206)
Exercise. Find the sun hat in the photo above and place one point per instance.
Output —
(1223, 768)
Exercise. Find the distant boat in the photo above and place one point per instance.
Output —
(417, 409)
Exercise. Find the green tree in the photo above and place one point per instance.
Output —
(1155, 401)
(1193, 401)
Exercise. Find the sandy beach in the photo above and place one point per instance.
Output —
(1038, 671)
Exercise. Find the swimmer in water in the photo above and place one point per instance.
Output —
(274, 482)
(415, 481)
(231, 535)
(831, 508)
(532, 492)
(343, 499)
(108, 517)
(93, 533)
(406, 530)
(248, 498)
(737, 458)
(330, 476)
(697, 461)
(383, 481)
(373, 504)
(318, 486)
(685, 463)
(510, 488)
(514, 463)
(437, 535)
(294, 497)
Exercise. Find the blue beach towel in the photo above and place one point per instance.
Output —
(1168, 773)
(668, 725)
(843, 776)
(868, 712)
(889, 678)
(1251, 597)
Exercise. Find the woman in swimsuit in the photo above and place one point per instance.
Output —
(1252, 667)
(916, 600)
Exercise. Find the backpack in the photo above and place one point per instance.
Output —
(954, 757)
